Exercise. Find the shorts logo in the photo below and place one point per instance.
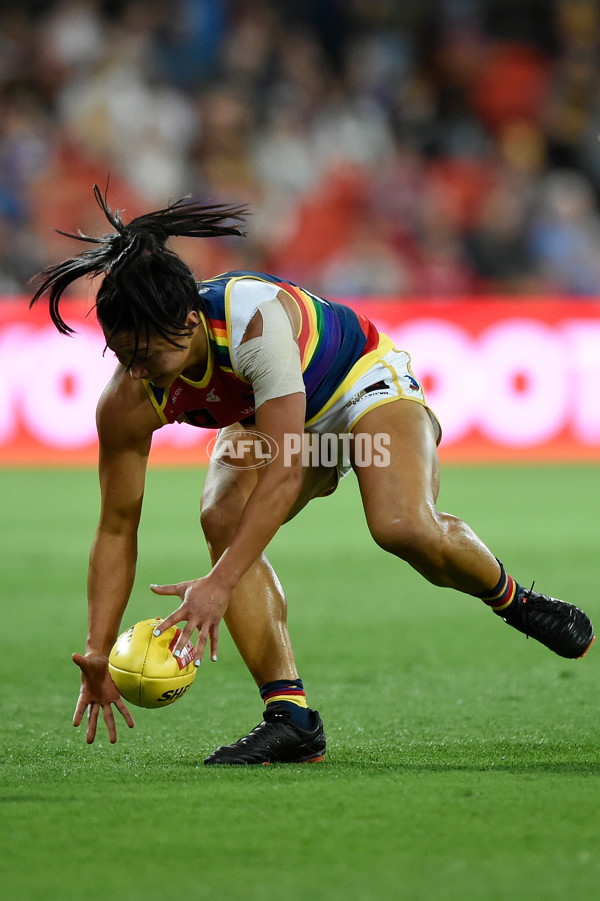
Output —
(355, 399)
(380, 387)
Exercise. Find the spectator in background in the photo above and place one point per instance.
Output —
(566, 234)
(405, 149)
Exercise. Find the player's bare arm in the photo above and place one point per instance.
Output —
(204, 601)
(126, 421)
(280, 482)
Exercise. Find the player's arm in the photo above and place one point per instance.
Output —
(205, 600)
(125, 422)
(274, 369)
(281, 419)
(271, 357)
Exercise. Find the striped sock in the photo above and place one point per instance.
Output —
(502, 595)
(288, 693)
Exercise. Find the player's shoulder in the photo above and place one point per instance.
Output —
(124, 407)
(243, 279)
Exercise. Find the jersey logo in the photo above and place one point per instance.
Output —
(212, 396)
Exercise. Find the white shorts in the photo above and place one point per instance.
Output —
(389, 378)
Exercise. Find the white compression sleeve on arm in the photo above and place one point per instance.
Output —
(271, 362)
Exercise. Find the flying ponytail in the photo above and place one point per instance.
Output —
(145, 286)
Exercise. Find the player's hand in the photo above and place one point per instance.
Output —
(98, 691)
(203, 604)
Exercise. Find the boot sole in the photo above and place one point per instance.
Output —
(305, 760)
(587, 649)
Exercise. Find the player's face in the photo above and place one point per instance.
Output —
(157, 360)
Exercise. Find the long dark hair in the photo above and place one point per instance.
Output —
(146, 287)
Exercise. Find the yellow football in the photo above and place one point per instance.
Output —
(143, 667)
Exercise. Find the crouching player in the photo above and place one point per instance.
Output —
(250, 353)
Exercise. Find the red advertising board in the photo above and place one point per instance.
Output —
(509, 381)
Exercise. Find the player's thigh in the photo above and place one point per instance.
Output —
(231, 479)
(401, 494)
(317, 481)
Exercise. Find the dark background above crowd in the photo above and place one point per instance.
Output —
(398, 149)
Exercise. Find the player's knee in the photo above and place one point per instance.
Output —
(219, 521)
(224, 497)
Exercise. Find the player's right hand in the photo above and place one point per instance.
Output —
(98, 691)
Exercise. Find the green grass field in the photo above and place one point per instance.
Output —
(463, 760)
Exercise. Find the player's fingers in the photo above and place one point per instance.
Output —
(168, 589)
(183, 639)
(79, 711)
(93, 712)
(214, 642)
(109, 719)
(122, 708)
(80, 660)
(176, 617)
(200, 646)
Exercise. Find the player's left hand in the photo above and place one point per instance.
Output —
(203, 604)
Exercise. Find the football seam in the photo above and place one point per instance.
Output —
(129, 672)
(143, 666)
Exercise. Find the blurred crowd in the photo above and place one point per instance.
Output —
(399, 148)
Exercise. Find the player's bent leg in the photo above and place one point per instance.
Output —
(257, 613)
(257, 620)
(399, 502)
(256, 616)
